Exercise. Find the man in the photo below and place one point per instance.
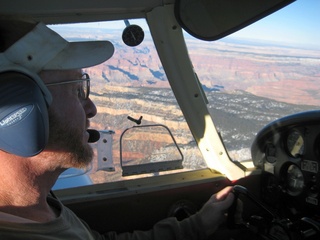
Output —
(45, 107)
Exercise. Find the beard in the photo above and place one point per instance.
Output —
(68, 142)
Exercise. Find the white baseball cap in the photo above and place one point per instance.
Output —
(44, 49)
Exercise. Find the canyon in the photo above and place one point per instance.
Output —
(247, 84)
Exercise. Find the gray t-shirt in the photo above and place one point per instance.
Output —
(68, 227)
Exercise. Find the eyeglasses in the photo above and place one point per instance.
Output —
(84, 91)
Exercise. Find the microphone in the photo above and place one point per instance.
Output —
(94, 135)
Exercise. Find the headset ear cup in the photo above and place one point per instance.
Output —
(24, 124)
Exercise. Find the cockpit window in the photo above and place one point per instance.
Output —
(129, 87)
(266, 71)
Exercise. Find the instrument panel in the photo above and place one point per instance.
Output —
(288, 152)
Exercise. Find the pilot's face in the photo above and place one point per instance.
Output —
(69, 116)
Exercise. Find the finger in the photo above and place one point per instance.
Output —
(226, 202)
(222, 194)
(219, 196)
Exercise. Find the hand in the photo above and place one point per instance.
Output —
(212, 212)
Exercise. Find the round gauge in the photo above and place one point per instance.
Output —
(294, 180)
(133, 35)
(295, 144)
(271, 153)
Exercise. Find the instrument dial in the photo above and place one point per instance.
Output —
(295, 144)
(294, 180)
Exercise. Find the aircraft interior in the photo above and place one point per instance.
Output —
(168, 160)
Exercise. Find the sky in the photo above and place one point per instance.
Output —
(298, 23)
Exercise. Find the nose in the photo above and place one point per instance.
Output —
(90, 108)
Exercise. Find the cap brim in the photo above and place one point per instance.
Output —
(81, 55)
(44, 49)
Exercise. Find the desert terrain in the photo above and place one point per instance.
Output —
(248, 84)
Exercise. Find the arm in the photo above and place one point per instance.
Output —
(199, 226)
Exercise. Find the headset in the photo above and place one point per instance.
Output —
(24, 102)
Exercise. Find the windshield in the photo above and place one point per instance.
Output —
(263, 72)
(252, 77)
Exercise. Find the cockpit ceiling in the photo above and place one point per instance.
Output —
(72, 11)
